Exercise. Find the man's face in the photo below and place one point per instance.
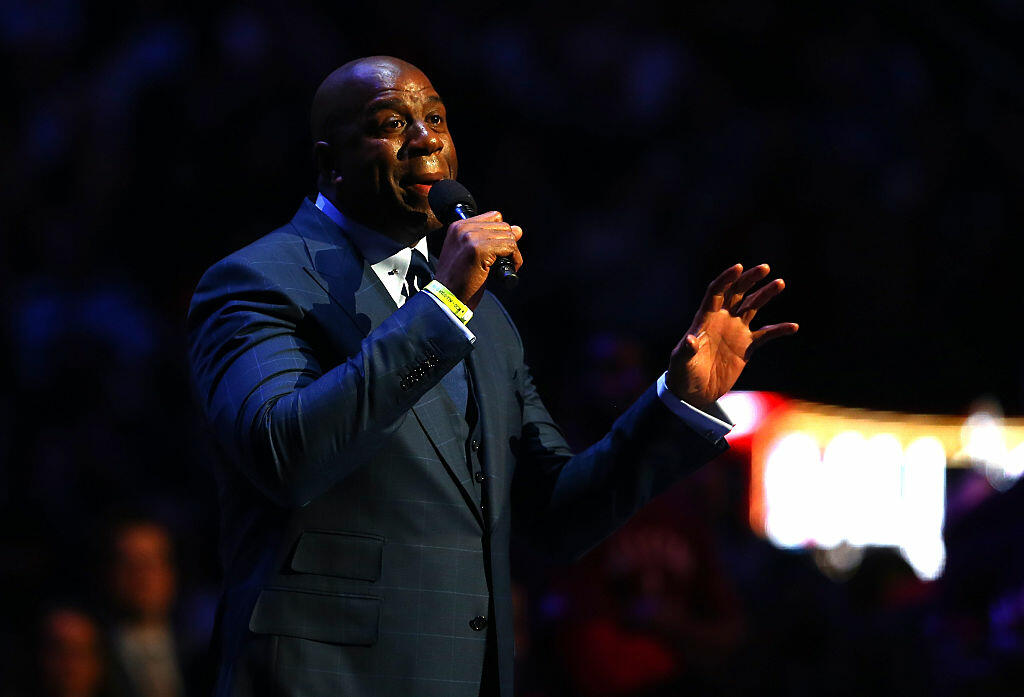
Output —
(395, 146)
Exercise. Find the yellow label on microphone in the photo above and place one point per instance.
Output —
(463, 313)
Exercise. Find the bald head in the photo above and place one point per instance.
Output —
(340, 98)
(380, 138)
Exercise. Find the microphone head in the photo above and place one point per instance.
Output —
(445, 195)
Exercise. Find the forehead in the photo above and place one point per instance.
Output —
(382, 85)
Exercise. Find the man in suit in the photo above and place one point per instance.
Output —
(381, 436)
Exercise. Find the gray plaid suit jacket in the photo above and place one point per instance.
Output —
(356, 549)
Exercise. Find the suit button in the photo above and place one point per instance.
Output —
(478, 623)
(475, 445)
(480, 477)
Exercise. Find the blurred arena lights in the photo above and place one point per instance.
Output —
(838, 480)
(746, 409)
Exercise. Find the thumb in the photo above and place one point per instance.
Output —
(688, 346)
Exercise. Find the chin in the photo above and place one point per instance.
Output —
(417, 223)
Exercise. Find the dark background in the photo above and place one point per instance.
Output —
(873, 153)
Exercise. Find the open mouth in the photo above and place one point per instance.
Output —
(420, 184)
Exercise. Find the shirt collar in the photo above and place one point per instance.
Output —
(389, 259)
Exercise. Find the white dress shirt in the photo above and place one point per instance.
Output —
(390, 261)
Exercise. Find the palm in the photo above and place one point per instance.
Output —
(710, 357)
(722, 343)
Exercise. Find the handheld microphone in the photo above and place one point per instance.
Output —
(451, 201)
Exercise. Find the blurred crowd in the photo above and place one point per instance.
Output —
(872, 152)
(132, 641)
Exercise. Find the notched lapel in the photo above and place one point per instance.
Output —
(361, 295)
(338, 268)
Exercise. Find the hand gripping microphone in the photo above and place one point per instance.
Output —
(451, 201)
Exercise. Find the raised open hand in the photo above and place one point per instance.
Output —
(708, 360)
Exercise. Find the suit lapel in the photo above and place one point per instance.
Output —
(339, 268)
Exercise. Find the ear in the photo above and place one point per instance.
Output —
(326, 167)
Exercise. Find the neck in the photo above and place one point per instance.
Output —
(406, 234)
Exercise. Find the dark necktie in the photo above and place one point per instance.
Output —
(419, 274)
(455, 380)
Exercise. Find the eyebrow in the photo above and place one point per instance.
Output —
(397, 104)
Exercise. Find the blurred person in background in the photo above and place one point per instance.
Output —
(71, 660)
(654, 613)
(143, 582)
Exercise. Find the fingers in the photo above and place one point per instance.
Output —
(503, 247)
(773, 331)
(486, 237)
(714, 297)
(486, 222)
(516, 256)
(746, 281)
(484, 227)
(471, 247)
(502, 243)
(759, 299)
(728, 291)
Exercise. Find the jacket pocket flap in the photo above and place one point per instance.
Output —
(328, 617)
(343, 554)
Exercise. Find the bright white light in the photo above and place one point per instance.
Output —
(879, 520)
(859, 492)
(985, 442)
(746, 409)
(789, 467)
(1014, 462)
(850, 486)
(924, 505)
(927, 559)
(983, 439)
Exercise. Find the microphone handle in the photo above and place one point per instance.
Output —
(509, 277)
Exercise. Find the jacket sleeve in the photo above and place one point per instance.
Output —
(566, 504)
(296, 427)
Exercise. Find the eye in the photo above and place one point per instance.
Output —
(393, 123)
(435, 119)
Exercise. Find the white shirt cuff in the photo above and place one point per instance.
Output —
(465, 330)
(708, 426)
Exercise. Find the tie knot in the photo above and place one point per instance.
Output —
(419, 274)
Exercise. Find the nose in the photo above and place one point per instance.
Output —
(421, 140)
